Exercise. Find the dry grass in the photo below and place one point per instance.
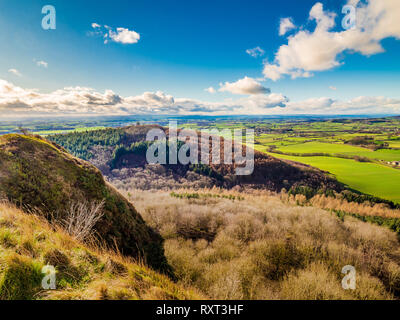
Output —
(263, 248)
(28, 242)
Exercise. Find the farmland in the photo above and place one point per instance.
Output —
(360, 152)
(369, 178)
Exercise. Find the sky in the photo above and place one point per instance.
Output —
(199, 57)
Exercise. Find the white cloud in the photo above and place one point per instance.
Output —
(285, 26)
(42, 64)
(16, 102)
(247, 86)
(210, 90)
(255, 52)
(15, 72)
(308, 52)
(332, 88)
(358, 105)
(118, 35)
(123, 35)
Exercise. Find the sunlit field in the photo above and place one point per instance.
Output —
(369, 178)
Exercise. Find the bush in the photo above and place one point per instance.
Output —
(20, 279)
(81, 219)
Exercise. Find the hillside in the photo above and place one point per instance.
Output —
(29, 242)
(259, 245)
(120, 155)
(41, 176)
(223, 243)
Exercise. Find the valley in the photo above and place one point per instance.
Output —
(363, 153)
(285, 232)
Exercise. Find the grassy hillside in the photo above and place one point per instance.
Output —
(37, 174)
(29, 242)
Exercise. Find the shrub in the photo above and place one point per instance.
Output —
(20, 278)
(81, 218)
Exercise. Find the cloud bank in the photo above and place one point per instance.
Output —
(16, 102)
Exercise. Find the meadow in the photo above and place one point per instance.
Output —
(369, 178)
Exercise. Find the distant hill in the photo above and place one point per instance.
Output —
(120, 155)
(37, 174)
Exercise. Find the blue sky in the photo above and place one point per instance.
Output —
(184, 48)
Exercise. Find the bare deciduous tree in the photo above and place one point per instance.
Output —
(81, 218)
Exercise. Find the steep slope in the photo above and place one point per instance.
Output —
(100, 147)
(28, 243)
(37, 174)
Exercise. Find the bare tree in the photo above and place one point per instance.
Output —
(81, 218)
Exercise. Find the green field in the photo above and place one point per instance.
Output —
(369, 178)
(82, 129)
(336, 148)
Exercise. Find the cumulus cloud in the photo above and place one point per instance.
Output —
(318, 50)
(255, 52)
(15, 72)
(118, 35)
(123, 35)
(285, 26)
(246, 86)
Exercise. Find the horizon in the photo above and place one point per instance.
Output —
(143, 58)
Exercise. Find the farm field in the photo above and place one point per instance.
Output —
(369, 178)
(336, 148)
